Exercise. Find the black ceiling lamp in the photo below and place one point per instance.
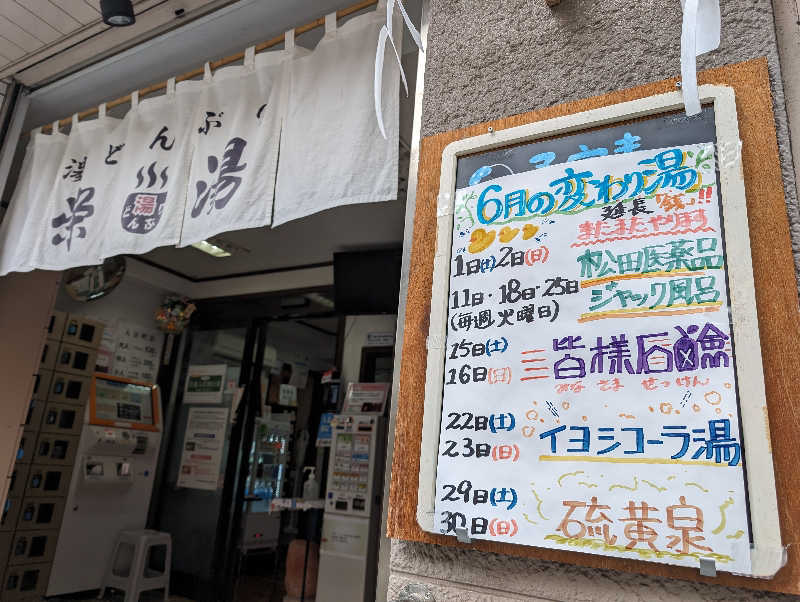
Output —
(117, 13)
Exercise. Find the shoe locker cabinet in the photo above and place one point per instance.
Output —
(32, 514)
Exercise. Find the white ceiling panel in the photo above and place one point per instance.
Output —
(9, 50)
(73, 35)
(39, 31)
(80, 10)
(28, 21)
(52, 15)
(16, 34)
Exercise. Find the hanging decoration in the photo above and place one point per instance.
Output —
(174, 314)
(173, 317)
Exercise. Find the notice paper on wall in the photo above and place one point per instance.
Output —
(379, 339)
(137, 351)
(105, 352)
(130, 351)
(299, 378)
(205, 383)
(365, 398)
(287, 395)
(203, 444)
(590, 396)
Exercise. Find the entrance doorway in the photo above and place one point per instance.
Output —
(228, 542)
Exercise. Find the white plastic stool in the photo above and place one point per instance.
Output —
(129, 569)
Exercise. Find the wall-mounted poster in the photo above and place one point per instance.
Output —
(205, 383)
(137, 351)
(203, 444)
(596, 349)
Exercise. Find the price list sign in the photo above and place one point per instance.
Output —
(589, 395)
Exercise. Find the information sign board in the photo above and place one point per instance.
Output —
(594, 353)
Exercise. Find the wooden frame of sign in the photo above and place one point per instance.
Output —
(770, 283)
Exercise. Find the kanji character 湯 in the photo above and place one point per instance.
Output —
(219, 192)
(719, 445)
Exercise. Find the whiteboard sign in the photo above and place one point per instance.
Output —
(594, 376)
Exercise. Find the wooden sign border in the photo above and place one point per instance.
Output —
(776, 300)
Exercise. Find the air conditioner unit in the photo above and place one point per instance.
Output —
(230, 347)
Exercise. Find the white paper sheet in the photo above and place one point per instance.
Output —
(203, 446)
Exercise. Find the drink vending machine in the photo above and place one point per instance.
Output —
(351, 526)
(269, 466)
(112, 480)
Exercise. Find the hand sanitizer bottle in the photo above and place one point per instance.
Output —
(310, 487)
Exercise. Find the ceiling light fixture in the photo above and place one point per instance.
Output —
(117, 13)
(211, 249)
(320, 300)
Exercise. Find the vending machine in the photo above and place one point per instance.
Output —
(112, 480)
(269, 466)
(351, 525)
